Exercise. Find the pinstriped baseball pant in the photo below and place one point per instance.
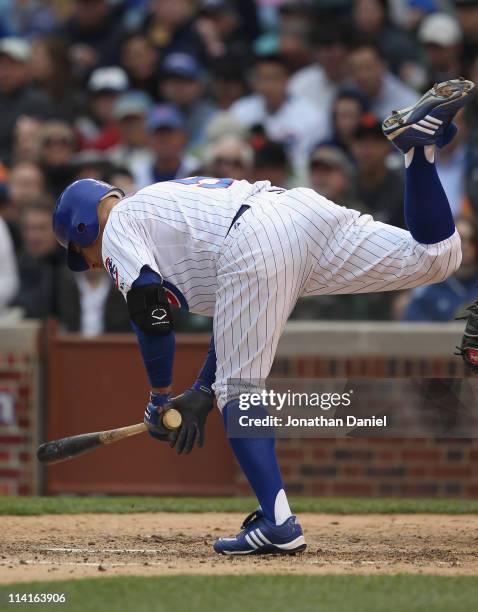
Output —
(297, 244)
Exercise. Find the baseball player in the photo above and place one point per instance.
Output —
(243, 254)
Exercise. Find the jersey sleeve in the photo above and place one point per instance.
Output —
(125, 251)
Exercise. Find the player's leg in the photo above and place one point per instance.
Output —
(259, 279)
(415, 131)
(362, 255)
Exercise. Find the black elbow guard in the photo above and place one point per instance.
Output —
(149, 309)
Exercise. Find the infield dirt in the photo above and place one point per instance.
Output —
(74, 546)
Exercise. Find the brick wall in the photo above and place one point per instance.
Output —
(374, 466)
(18, 410)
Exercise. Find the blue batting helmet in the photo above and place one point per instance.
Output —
(75, 218)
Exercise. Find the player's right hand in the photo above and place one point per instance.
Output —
(153, 416)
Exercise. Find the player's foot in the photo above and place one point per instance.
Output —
(428, 122)
(260, 536)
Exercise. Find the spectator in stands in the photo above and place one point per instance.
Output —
(89, 303)
(379, 189)
(349, 106)
(58, 146)
(220, 27)
(90, 164)
(94, 32)
(444, 301)
(134, 152)
(320, 81)
(372, 21)
(27, 18)
(467, 15)
(168, 137)
(51, 71)
(225, 124)
(8, 267)
(290, 120)
(26, 184)
(228, 83)
(26, 139)
(332, 175)
(121, 177)
(442, 38)
(170, 27)
(140, 62)
(271, 163)
(384, 91)
(17, 96)
(229, 157)
(296, 22)
(96, 128)
(182, 84)
(39, 263)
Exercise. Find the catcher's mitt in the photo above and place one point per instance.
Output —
(469, 343)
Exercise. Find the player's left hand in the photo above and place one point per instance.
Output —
(194, 406)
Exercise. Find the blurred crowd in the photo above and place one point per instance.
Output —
(140, 91)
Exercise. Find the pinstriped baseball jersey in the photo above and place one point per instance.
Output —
(177, 229)
(288, 244)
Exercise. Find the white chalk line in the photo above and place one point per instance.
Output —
(82, 563)
(146, 551)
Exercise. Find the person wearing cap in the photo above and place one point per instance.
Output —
(168, 137)
(130, 111)
(182, 84)
(17, 95)
(442, 38)
(379, 189)
(332, 175)
(97, 128)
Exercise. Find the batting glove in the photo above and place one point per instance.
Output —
(153, 415)
(194, 405)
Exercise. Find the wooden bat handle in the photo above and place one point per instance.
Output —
(72, 446)
(171, 420)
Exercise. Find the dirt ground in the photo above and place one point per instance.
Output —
(76, 546)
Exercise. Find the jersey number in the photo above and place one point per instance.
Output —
(206, 182)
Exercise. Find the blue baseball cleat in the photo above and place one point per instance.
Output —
(429, 121)
(259, 536)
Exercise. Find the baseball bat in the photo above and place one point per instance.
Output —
(72, 446)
